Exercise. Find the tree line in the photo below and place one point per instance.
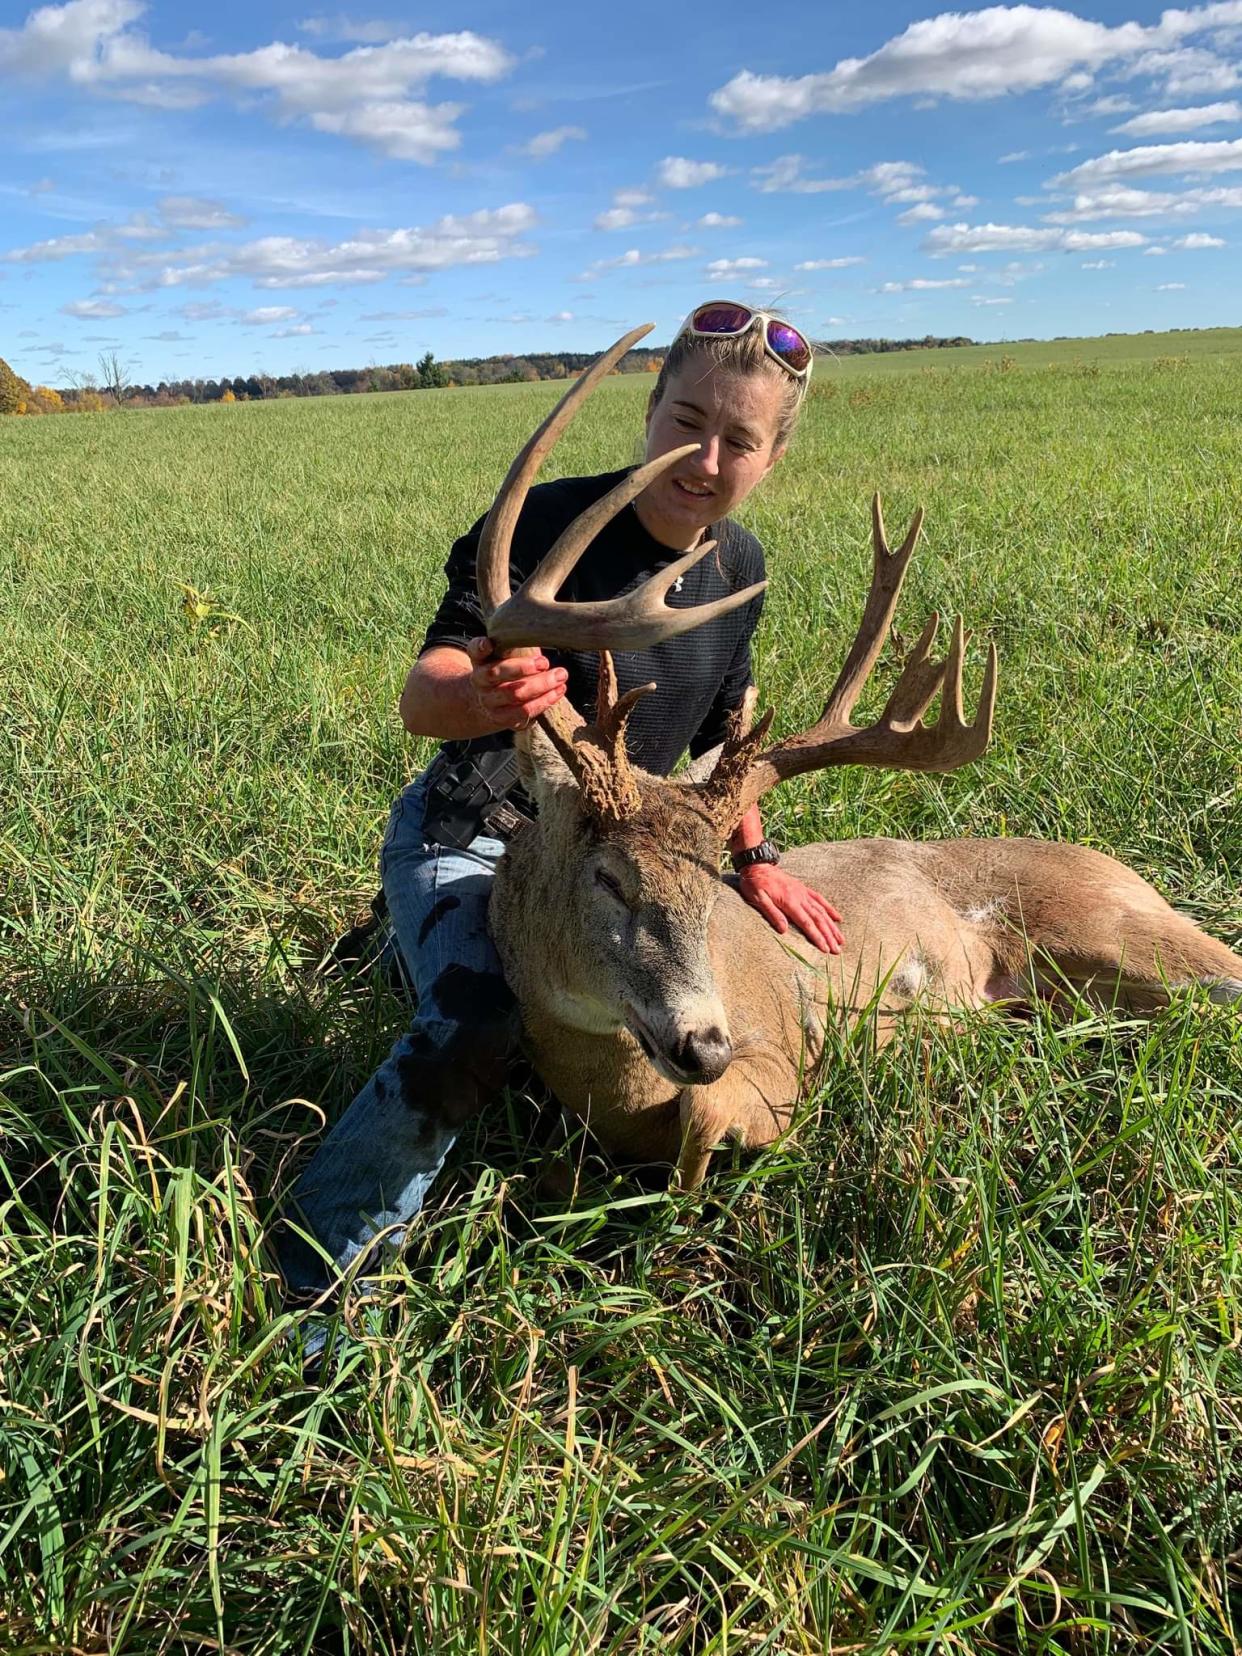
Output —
(112, 386)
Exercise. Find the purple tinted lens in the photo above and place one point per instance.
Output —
(723, 319)
(789, 345)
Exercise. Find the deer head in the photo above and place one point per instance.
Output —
(637, 857)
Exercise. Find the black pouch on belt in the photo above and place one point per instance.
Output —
(471, 793)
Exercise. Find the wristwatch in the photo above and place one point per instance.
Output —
(764, 852)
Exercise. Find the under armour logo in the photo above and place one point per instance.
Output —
(679, 583)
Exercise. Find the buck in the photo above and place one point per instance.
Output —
(659, 1007)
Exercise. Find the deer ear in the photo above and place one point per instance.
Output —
(540, 766)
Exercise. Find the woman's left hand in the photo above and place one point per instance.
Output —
(780, 898)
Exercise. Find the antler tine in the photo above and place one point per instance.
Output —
(898, 739)
(920, 678)
(888, 572)
(492, 563)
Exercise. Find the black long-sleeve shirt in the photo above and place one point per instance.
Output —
(700, 676)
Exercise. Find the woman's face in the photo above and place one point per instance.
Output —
(734, 419)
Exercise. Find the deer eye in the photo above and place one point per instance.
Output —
(609, 884)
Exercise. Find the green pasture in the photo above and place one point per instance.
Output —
(1170, 351)
(956, 1368)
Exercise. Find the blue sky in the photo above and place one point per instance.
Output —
(241, 187)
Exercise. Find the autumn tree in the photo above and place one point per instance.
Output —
(14, 391)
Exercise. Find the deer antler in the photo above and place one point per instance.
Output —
(533, 616)
(898, 739)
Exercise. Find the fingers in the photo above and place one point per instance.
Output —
(532, 710)
(516, 703)
(782, 900)
(516, 689)
(820, 922)
(490, 674)
(770, 912)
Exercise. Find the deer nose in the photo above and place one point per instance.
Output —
(704, 1054)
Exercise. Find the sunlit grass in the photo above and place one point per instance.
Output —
(956, 1366)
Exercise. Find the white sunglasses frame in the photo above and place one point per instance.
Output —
(688, 329)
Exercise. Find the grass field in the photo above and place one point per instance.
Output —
(959, 1367)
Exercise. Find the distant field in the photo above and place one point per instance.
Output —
(1181, 347)
(956, 1368)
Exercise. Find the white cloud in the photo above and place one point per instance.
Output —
(717, 221)
(298, 330)
(1158, 121)
(629, 207)
(195, 213)
(785, 174)
(831, 264)
(920, 213)
(675, 172)
(1100, 264)
(1189, 71)
(920, 284)
(720, 268)
(561, 316)
(1122, 201)
(1193, 243)
(1154, 252)
(997, 51)
(1014, 155)
(1013, 238)
(979, 299)
(375, 32)
(1189, 156)
(364, 94)
(58, 247)
(92, 310)
(1170, 287)
(266, 315)
(632, 257)
(962, 202)
(1114, 104)
(616, 218)
(544, 144)
(404, 315)
(484, 237)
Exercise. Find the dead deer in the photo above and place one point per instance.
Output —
(663, 1011)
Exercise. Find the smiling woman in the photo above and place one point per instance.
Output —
(725, 405)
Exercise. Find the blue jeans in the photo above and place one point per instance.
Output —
(376, 1165)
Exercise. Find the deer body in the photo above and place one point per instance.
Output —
(660, 1008)
(947, 925)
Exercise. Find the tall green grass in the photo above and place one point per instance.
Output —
(956, 1367)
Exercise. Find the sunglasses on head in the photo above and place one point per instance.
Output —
(726, 318)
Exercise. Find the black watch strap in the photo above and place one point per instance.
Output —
(764, 852)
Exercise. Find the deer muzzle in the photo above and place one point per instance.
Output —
(690, 1054)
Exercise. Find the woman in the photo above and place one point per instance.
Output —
(733, 381)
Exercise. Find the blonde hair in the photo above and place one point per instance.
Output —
(739, 354)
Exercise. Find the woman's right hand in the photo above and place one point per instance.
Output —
(513, 693)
